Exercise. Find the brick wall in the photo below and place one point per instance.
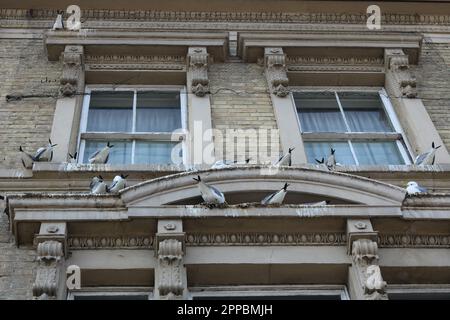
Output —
(17, 266)
(240, 101)
(433, 77)
(25, 69)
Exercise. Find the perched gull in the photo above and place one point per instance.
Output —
(285, 160)
(73, 158)
(276, 197)
(428, 157)
(210, 194)
(227, 163)
(44, 154)
(331, 161)
(413, 188)
(102, 155)
(97, 185)
(27, 159)
(119, 183)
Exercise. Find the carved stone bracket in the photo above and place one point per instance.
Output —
(397, 66)
(73, 66)
(170, 273)
(198, 71)
(365, 279)
(275, 63)
(49, 282)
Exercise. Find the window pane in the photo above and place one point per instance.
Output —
(319, 112)
(371, 153)
(155, 153)
(319, 150)
(158, 111)
(110, 112)
(119, 154)
(365, 112)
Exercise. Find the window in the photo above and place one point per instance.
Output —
(145, 125)
(418, 292)
(361, 126)
(111, 293)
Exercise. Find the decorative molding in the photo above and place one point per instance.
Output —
(270, 17)
(397, 65)
(275, 63)
(50, 250)
(265, 239)
(73, 66)
(369, 282)
(414, 241)
(170, 280)
(336, 68)
(128, 62)
(295, 60)
(105, 242)
(198, 71)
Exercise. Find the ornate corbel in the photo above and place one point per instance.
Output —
(198, 71)
(73, 67)
(275, 64)
(397, 65)
(365, 279)
(170, 273)
(49, 282)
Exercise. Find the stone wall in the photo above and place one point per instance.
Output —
(240, 101)
(26, 70)
(17, 266)
(433, 81)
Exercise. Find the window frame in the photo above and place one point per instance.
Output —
(133, 136)
(411, 289)
(271, 290)
(110, 291)
(397, 135)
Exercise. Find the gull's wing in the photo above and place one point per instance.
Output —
(421, 157)
(422, 189)
(216, 191)
(267, 198)
(94, 155)
(39, 154)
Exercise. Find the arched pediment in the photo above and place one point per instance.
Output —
(251, 183)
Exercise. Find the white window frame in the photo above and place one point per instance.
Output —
(110, 292)
(398, 135)
(274, 290)
(133, 136)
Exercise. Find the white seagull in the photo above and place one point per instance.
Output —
(97, 185)
(331, 161)
(285, 160)
(73, 158)
(413, 188)
(119, 183)
(101, 156)
(210, 194)
(44, 154)
(428, 157)
(276, 197)
(27, 159)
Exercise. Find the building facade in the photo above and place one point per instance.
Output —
(176, 87)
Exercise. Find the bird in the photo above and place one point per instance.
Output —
(101, 156)
(285, 159)
(428, 157)
(73, 158)
(413, 188)
(119, 183)
(321, 161)
(6, 209)
(276, 197)
(331, 160)
(59, 23)
(27, 159)
(211, 195)
(97, 185)
(227, 163)
(44, 154)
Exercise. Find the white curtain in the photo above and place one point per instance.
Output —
(158, 119)
(377, 153)
(321, 120)
(319, 150)
(367, 120)
(110, 120)
(153, 152)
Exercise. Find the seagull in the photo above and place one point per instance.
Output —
(276, 197)
(101, 156)
(331, 161)
(210, 194)
(119, 183)
(27, 159)
(59, 24)
(321, 161)
(227, 163)
(427, 157)
(5, 210)
(413, 188)
(44, 154)
(73, 158)
(285, 160)
(97, 185)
